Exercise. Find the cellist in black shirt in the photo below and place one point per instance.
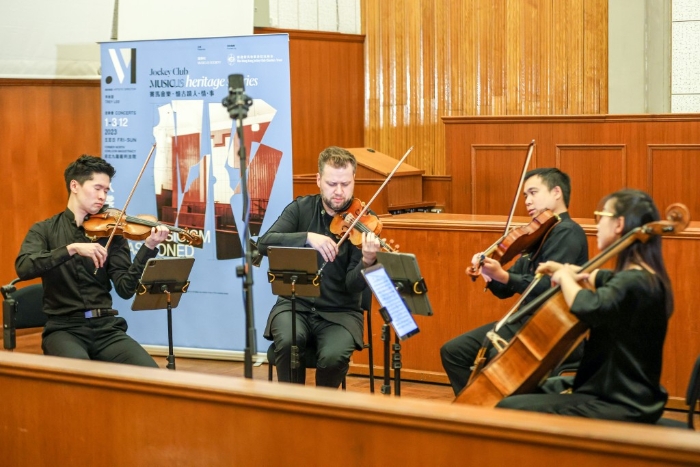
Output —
(627, 310)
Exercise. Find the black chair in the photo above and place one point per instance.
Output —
(21, 309)
(691, 398)
(310, 355)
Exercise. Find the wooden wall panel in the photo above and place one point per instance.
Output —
(44, 125)
(604, 153)
(93, 413)
(438, 188)
(585, 163)
(429, 58)
(444, 244)
(504, 161)
(673, 171)
(327, 78)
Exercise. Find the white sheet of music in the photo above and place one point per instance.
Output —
(401, 319)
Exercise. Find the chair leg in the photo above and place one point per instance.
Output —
(370, 350)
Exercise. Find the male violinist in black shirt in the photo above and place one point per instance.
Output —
(334, 321)
(546, 188)
(82, 323)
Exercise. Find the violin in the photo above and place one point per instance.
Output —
(518, 240)
(104, 224)
(552, 331)
(525, 243)
(366, 222)
(353, 219)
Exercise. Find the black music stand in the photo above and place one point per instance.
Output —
(162, 284)
(405, 274)
(294, 273)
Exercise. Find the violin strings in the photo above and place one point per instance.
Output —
(138, 220)
(362, 227)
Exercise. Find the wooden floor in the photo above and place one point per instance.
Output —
(31, 343)
(438, 392)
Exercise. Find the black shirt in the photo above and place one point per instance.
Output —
(69, 281)
(622, 358)
(341, 281)
(566, 243)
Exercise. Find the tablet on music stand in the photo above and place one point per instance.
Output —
(404, 273)
(294, 273)
(159, 275)
(287, 262)
(162, 283)
(388, 297)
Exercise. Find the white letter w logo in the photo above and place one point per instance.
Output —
(128, 60)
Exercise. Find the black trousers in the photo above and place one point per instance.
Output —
(458, 354)
(103, 339)
(333, 346)
(576, 404)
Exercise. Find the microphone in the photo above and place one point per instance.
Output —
(237, 103)
(236, 84)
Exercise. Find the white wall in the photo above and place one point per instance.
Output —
(685, 88)
(58, 38)
(626, 57)
(639, 57)
(310, 15)
(53, 38)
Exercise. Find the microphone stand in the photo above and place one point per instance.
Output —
(237, 104)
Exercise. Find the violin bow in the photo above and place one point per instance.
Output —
(524, 295)
(128, 199)
(366, 207)
(530, 150)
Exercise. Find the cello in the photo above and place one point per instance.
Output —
(551, 333)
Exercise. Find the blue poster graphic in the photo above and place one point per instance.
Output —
(168, 93)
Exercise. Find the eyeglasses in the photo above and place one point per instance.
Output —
(598, 214)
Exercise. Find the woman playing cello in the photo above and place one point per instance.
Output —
(619, 375)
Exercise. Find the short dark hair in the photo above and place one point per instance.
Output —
(336, 157)
(83, 169)
(552, 177)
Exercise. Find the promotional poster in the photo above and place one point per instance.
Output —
(169, 94)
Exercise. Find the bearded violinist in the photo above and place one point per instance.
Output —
(334, 321)
(544, 188)
(82, 323)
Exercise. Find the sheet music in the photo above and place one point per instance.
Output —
(401, 318)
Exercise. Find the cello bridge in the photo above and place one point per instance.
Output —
(498, 342)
